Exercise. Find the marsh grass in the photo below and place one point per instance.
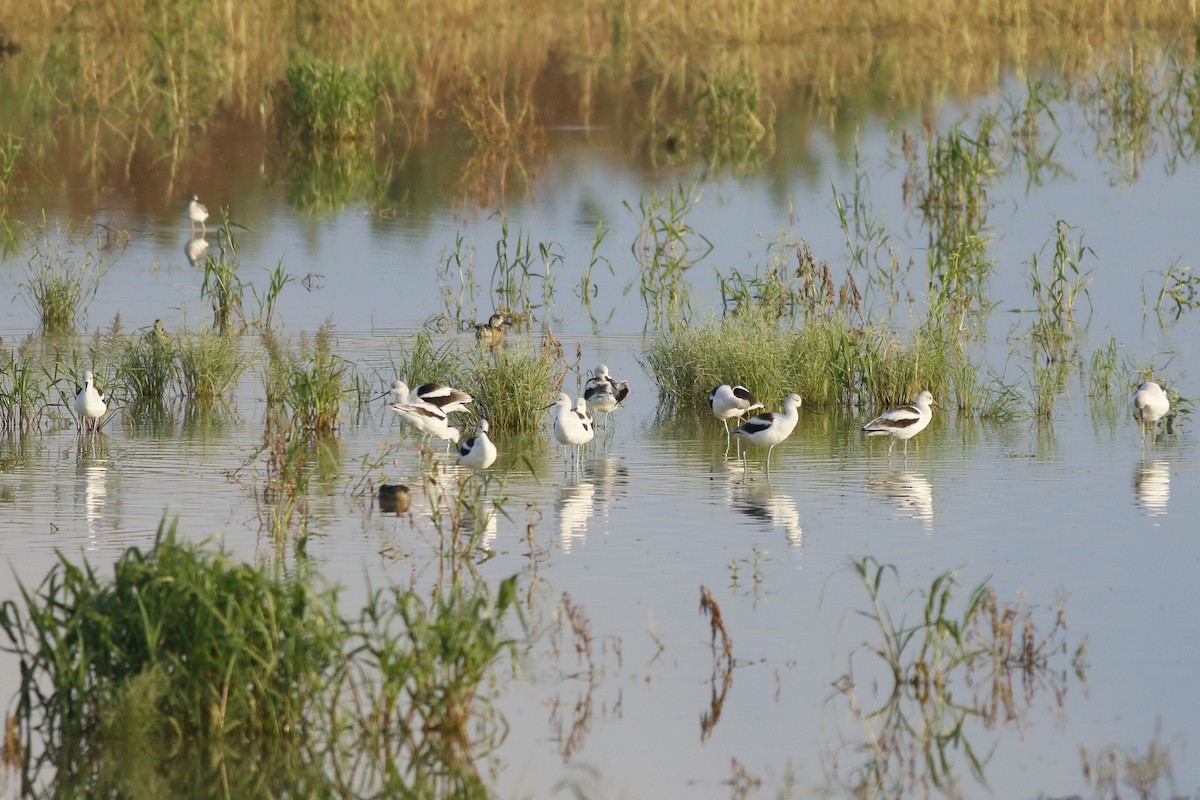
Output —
(421, 665)
(958, 279)
(829, 361)
(1058, 288)
(60, 276)
(148, 365)
(333, 103)
(222, 285)
(311, 383)
(1180, 292)
(665, 248)
(184, 651)
(10, 153)
(512, 385)
(869, 246)
(229, 650)
(424, 362)
(25, 390)
(209, 364)
(781, 291)
(523, 278)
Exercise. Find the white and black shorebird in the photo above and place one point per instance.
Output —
(428, 419)
(731, 402)
(90, 404)
(771, 428)
(443, 397)
(572, 426)
(603, 393)
(197, 212)
(478, 452)
(1150, 404)
(903, 422)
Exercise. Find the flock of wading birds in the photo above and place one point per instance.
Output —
(428, 406)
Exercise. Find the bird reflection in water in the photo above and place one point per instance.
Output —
(94, 492)
(1152, 486)
(911, 493)
(574, 507)
(195, 250)
(772, 508)
(611, 479)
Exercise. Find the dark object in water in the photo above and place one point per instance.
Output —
(394, 498)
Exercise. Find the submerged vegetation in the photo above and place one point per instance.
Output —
(185, 651)
(954, 673)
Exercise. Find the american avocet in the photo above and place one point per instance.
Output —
(771, 428)
(903, 422)
(197, 213)
(572, 426)
(1150, 404)
(493, 331)
(730, 402)
(435, 394)
(602, 393)
(90, 404)
(478, 452)
(394, 498)
(427, 418)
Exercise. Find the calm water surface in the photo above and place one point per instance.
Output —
(1076, 508)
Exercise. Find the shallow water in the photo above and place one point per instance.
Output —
(1077, 507)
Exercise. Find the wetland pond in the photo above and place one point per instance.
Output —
(621, 685)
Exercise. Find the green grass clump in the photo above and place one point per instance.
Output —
(57, 291)
(829, 361)
(511, 386)
(209, 364)
(332, 103)
(148, 365)
(24, 389)
(222, 286)
(751, 350)
(183, 650)
(311, 383)
(229, 649)
(424, 362)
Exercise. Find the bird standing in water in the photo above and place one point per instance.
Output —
(771, 428)
(1150, 404)
(90, 404)
(903, 422)
(197, 212)
(478, 452)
